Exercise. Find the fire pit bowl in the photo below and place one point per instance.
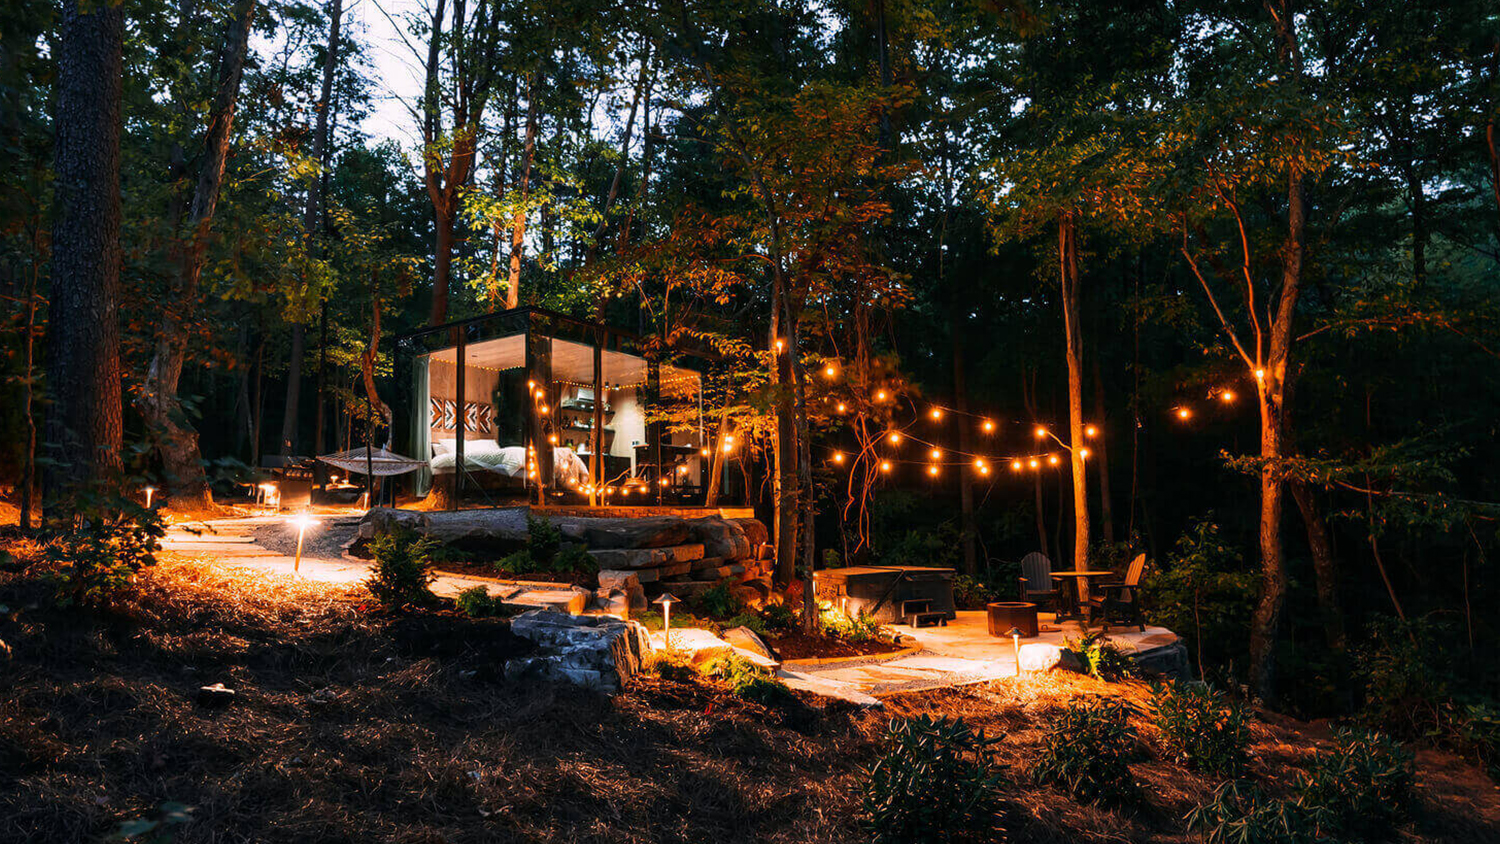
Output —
(1003, 615)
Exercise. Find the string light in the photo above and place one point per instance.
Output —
(1090, 431)
(1015, 465)
(842, 407)
(830, 371)
(932, 470)
(703, 452)
(984, 470)
(936, 413)
(988, 426)
(1184, 413)
(885, 466)
(1227, 396)
(880, 395)
(780, 344)
(1084, 453)
(894, 438)
(1052, 459)
(1034, 463)
(1040, 432)
(1260, 374)
(552, 439)
(838, 457)
(936, 454)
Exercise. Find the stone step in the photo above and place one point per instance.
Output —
(642, 558)
(569, 602)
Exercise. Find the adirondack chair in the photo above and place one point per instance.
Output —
(1036, 584)
(1121, 596)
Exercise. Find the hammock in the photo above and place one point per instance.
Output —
(380, 463)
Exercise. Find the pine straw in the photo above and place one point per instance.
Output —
(355, 727)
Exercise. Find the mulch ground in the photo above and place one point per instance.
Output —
(798, 645)
(356, 727)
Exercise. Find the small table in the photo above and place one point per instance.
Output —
(1081, 583)
(1005, 615)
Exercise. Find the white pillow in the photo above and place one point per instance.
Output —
(442, 447)
(481, 448)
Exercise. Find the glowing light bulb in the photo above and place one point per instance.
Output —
(894, 438)
(984, 470)
(1084, 453)
(838, 457)
(936, 454)
(1090, 431)
(780, 344)
(980, 464)
(989, 427)
(1015, 465)
(842, 407)
(880, 395)
(544, 410)
(830, 371)
(1040, 432)
(885, 466)
(932, 470)
(1184, 413)
(1052, 459)
(936, 413)
(703, 452)
(531, 385)
(552, 439)
(1260, 374)
(1034, 463)
(1227, 396)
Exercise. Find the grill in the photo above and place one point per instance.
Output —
(889, 594)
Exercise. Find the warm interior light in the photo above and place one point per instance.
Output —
(1034, 463)
(979, 462)
(545, 410)
(984, 470)
(552, 439)
(1260, 373)
(703, 452)
(780, 344)
(1084, 453)
(880, 395)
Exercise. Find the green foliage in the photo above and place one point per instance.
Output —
(402, 571)
(1205, 592)
(543, 539)
(752, 621)
(1101, 658)
(159, 828)
(717, 602)
(1404, 674)
(1087, 752)
(1240, 813)
(971, 593)
(1357, 792)
(778, 617)
(1360, 789)
(855, 628)
(475, 602)
(1479, 731)
(99, 551)
(907, 529)
(935, 780)
(545, 553)
(1202, 728)
(671, 665)
(575, 558)
(747, 680)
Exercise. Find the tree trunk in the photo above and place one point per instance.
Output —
(1067, 249)
(518, 221)
(1325, 568)
(177, 445)
(806, 498)
(293, 390)
(84, 434)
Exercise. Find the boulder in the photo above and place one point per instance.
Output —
(504, 525)
(1040, 656)
(628, 582)
(643, 558)
(596, 652)
(1167, 661)
(700, 647)
(746, 639)
(652, 532)
(751, 593)
(754, 530)
(721, 538)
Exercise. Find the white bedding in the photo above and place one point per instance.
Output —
(489, 456)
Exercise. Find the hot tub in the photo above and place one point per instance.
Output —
(887, 593)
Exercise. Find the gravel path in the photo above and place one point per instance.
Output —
(323, 542)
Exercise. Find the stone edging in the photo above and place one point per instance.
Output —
(835, 660)
(529, 584)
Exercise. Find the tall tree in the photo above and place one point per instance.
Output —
(84, 429)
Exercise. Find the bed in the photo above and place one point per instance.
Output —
(488, 456)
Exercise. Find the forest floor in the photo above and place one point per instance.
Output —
(354, 726)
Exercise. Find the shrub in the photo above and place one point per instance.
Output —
(99, 552)
(544, 552)
(1205, 591)
(1405, 677)
(1202, 728)
(1100, 657)
(717, 602)
(935, 780)
(854, 628)
(1240, 813)
(970, 593)
(747, 680)
(1087, 752)
(1361, 788)
(543, 539)
(475, 602)
(1479, 731)
(516, 563)
(402, 570)
(670, 665)
(778, 617)
(575, 559)
(748, 620)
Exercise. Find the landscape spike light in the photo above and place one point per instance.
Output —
(302, 521)
(1015, 641)
(150, 490)
(666, 599)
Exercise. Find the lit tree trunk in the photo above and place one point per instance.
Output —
(84, 435)
(1067, 253)
(518, 221)
(182, 462)
(716, 458)
(784, 485)
(806, 498)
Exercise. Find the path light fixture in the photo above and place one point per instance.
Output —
(666, 599)
(302, 522)
(1015, 640)
(150, 490)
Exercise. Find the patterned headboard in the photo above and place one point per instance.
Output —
(478, 416)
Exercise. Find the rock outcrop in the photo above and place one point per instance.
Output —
(595, 652)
